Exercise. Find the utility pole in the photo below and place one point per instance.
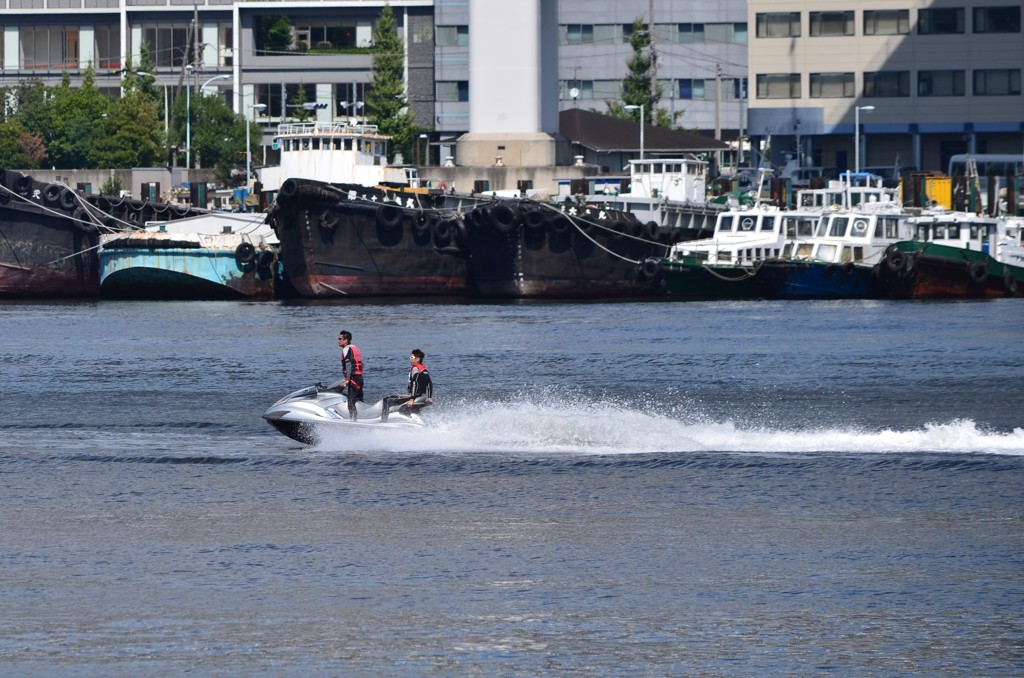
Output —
(654, 65)
(718, 114)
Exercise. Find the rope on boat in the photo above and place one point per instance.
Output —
(574, 218)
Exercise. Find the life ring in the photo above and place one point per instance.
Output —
(289, 189)
(328, 220)
(441, 186)
(51, 194)
(442, 233)
(895, 261)
(504, 218)
(1009, 281)
(860, 227)
(650, 269)
(977, 271)
(848, 268)
(245, 253)
(389, 217)
(23, 185)
(747, 223)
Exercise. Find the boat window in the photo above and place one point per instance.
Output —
(940, 232)
(806, 200)
(847, 255)
(827, 252)
(858, 253)
(803, 250)
(747, 223)
(316, 144)
(860, 227)
(725, 223)
(767, 223)
(838, 228)
(348, 144)
(305, 144)
(805, 227)
(892, 227)
(725, 256)
(786, 251)
(954, 231)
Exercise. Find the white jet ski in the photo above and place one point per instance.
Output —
(306, 414)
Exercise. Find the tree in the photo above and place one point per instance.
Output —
(273, 33)
(218, 134)
(387, 106)
(636, 86)
(19, 148)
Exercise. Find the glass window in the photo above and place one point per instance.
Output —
(452, 90)
(831, 85)
(606, 34)
(725, 223)
(778, 25)
(838, 228)
(691, 33)
(887, 84)
(944, 21)
(691, 89)
(996, 82)
(718, 33)
(108, 46)
(997, 19)
(767, 223)
(452, 36)
(739, 32)
(577, 34)
(886, 22)
(53, 47)
(831, 23)
(584, 89)
(940, 83)
(954, 231)
(778, 86)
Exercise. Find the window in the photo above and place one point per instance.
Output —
(831, 23)
(576, 34)
(452, 90)
(997, 82)
(887, 84)
(886, 22)
(940, 83)
(691, 89)
(584, 89)
(767, 223)
(944, 21)
(831, 85)
(53, 47)
(108, 46)
(778, 86)
(778, 25)
(691, 33)
(167, 44)
(997, 19)
(452, 36)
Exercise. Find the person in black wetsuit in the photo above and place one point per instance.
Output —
(420, 391)
(351, 370)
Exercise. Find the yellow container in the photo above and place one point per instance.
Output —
(939, 190)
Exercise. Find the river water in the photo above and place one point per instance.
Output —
(624, 489)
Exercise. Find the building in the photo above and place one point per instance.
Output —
(926, 78)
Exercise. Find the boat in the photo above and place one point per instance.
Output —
(840, 260)
(726, 265)
(956, 255)
(309, 414)
(348, 224)
(49, 235)
(529, 249)
(220, 255)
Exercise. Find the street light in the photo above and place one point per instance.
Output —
(856, 135)
(188, 112)
(164, 85)
(641, 109)
(356, 106)
(426, 151)
(248, 147)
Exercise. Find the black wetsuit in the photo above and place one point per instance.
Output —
(419, 385)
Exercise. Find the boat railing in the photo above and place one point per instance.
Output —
(326, 128)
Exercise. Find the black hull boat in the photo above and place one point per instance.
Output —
(342, 240)
(49, 235)
(526, 249)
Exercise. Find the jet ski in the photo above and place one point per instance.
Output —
(305, 415)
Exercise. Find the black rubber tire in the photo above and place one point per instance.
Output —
(245, 253)
(389, 217)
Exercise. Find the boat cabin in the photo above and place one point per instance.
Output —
(745, 236)
(858, 237)
(849, 192)
(678, 179)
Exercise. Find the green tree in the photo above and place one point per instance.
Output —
(218, 134)
(387, 106)
(295, 110)
(78, 122)
(19, 148)
(273, 33)
(636, 86)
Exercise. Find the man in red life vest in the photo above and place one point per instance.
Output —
(351, 370)
(420, 391)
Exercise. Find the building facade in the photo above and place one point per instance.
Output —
(926, 78)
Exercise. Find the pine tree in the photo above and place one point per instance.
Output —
(636, 86)
(387, 106)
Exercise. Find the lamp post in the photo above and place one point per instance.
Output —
(248, 147)
(164, 85)
(426, 153)
(356, 106)
(188, 112)
(856, 135)
(641, 109)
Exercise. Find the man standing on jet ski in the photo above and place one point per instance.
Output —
(351, 370)
(420, 388)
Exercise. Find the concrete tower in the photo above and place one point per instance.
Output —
(513, 84)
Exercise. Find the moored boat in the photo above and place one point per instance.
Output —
(220, 255)
(956, 255)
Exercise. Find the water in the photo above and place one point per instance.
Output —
(607, 489)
